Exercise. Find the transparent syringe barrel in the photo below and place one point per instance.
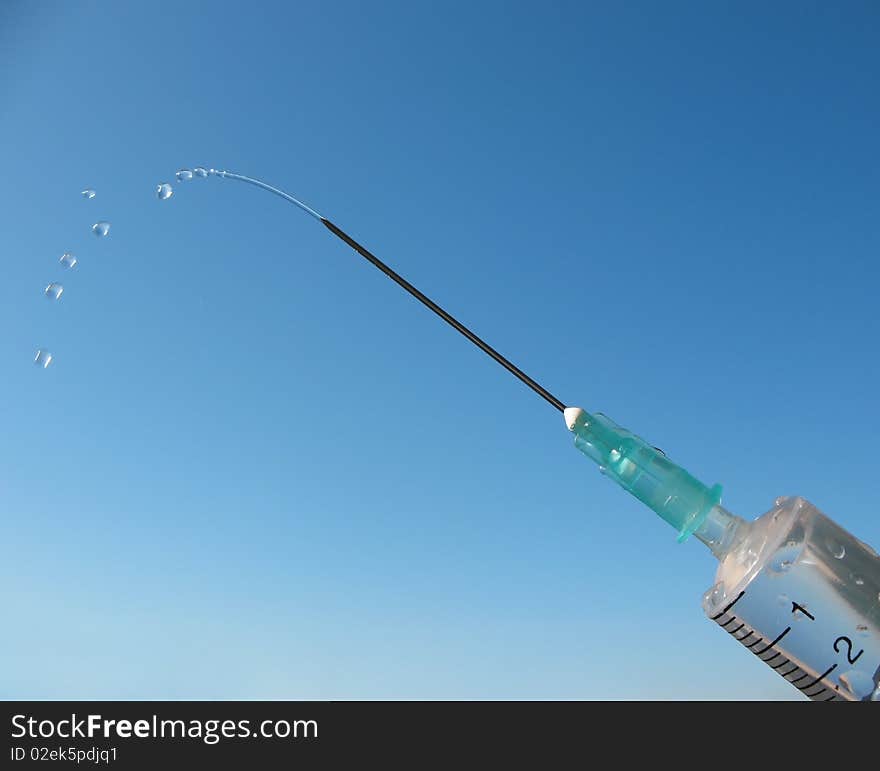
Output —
(803, 595)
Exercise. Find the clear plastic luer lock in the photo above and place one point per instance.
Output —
(802, 594)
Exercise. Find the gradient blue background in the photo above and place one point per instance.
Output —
(257, 469)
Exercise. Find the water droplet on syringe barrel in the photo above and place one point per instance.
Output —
(184, 175)
(785, 557)
(54, 291)
(88, 193)
(716, 594)
(43, 358)
(101, 229)
(164, 191)
(67, 260)
(200, 171)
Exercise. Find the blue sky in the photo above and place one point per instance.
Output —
(257, 469)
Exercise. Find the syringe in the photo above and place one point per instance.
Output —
(793, 587)
(796, 589)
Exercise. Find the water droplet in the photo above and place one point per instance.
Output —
(715, 595)
(200, 171)
(184, 175)
(602, 470)
(101, 229)
(67, 260)
(837, 550)
(54, 291)
(614, 456)
(164, 191)
(859, 581)
(43, 358)
(88, 193)
(858, 683)
(785, 558)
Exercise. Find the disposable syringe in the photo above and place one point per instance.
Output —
(796, 589)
